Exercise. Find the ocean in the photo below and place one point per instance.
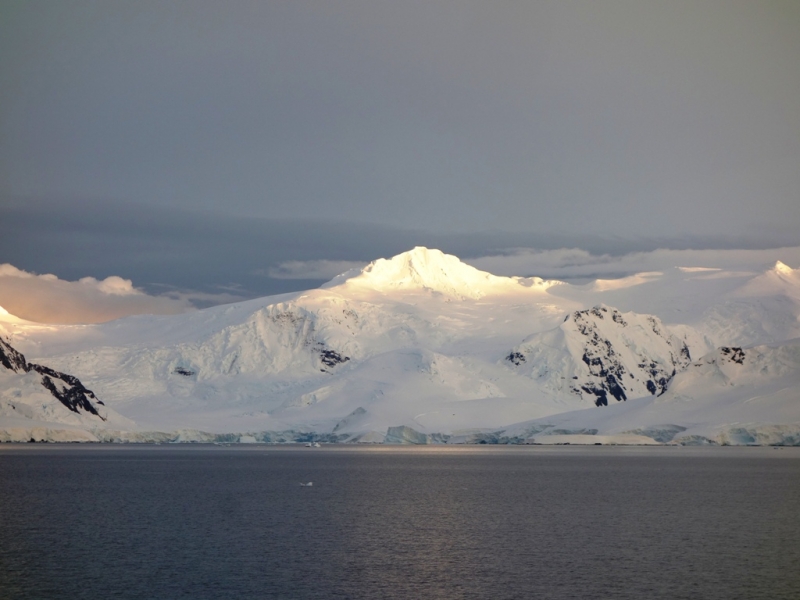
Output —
(432, 522)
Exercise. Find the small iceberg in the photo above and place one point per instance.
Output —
(309, 484)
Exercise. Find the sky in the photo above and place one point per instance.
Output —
(201, 152)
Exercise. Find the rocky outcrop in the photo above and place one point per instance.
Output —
(11, 359)
(67, 389)
(600, 352)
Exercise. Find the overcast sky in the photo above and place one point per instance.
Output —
(218, 146)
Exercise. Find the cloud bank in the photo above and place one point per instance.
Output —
(313, 269)
(166, 251)
(575, 263)
(48, 299)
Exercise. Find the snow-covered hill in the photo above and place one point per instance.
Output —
(32, 395)
(730, 396)
(427, 270)
(419, 347)
(600, 352)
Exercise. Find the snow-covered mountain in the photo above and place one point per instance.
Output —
(66, 389)
(34, 395)
(730, 396)
(421, 347)
(600, 352)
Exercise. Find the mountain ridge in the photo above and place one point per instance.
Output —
(423, 342)
(423, 269)
(605, 353)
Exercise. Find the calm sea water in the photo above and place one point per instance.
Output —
(393, 522)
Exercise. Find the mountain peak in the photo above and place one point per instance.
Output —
(424, 269)
(428, 269)
(782, 268)
(7, 317)
(420, 265)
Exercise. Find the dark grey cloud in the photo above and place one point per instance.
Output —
(168, 248)
(219, 257)
(617, 119)
(213, 151)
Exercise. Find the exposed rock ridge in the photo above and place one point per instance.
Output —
(11, 359)
(599, 352)
(67, 389)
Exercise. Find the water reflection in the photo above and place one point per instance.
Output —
(389, 522)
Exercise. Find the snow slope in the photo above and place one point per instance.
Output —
(600, 352)
(33, 395)
(424, 347)
(729, 396)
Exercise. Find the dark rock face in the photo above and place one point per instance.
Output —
(11, 359)
(67, 389)
(605, 366)
(600, 356)
(612, 371)
(733, 354)
(331, 358)
(598, 391)
(516, 357)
